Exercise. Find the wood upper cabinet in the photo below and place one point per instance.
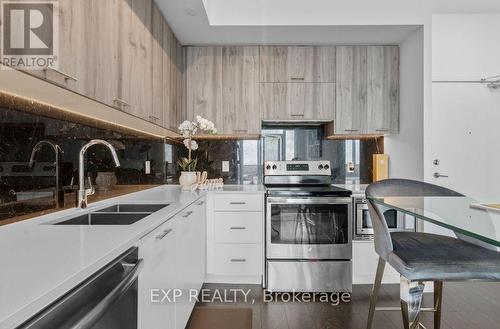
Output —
(136, 58)
(297, 64)
(351, 106)
(158, 85)
(383, 89)
(73, 57)
(367, 90)
(240, 90)
(296, 101)
(204, 84)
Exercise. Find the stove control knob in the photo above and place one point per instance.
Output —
(275, 167)
(268, 167)
(326, 167)
(320, 167)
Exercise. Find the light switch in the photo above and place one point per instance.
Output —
(147, 167)
(225, 166)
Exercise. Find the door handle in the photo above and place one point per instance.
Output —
(438, 175)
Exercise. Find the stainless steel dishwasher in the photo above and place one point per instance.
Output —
(107, 300)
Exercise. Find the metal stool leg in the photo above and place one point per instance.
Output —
(438, 300)
(411, 293)
(375, 291)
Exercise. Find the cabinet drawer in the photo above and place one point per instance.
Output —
(243, 259)
(238, 202)
(238, 227)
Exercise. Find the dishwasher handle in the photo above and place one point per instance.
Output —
(98, 311)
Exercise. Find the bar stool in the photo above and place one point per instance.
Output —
(420, 257)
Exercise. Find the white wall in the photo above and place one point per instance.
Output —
(406, 150)
(464, 123)
(465, 46)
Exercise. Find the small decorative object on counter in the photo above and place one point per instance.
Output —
(204, 184)
(380, 167)
(188, 130)
(105, 181)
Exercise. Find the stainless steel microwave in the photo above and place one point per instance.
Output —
(396, 221)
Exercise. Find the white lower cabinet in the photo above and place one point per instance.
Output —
(190, 259)
(174, 261)
(364, 264)
(235, 238)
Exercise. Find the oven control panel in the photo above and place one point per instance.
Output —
(296, 168)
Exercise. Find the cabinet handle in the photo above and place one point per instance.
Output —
(238, 228)
(187, 214)
(297, 115)
(382, 129)
(164, 234)
(238, 260)
(351, 130)
(200, 203)
(65, 75)
(239, 202)
(297, 79)
(121, 102)
(241, 130)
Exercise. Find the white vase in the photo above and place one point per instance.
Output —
(187, 179)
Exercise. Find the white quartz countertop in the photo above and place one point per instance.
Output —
(41, 262)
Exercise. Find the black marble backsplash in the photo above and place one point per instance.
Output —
(20, 131)
(23, 185)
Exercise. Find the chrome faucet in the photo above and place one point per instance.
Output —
(59, 193)
(83, 193)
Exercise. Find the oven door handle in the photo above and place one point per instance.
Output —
(91, 318)
(309, 200)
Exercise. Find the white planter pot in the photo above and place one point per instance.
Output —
(187, 179)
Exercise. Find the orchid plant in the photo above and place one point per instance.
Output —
(188, 129)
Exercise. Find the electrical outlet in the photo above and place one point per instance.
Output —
(225, 166)
(147, 167)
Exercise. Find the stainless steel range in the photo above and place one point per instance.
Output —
(308, 228)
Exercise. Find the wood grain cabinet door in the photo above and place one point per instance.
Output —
(297, 101)
(297, 64)
(156, 114)
(136, 58)
(240, 90)
(351, 90)
(383, 89)
(101, 81)
(367, 90)
(73, 57)
(204, 84)
(310, 64)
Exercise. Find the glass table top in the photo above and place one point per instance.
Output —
(477, 218)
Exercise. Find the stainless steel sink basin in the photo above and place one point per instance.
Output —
(102, 218)
(133, 208)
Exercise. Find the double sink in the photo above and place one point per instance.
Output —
(117, 214)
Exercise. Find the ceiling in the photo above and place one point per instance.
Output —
(190, 23)
(199, 22)
(466, 6)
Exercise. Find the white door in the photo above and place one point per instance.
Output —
(465, 134)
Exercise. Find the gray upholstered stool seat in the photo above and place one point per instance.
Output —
(431, 257)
